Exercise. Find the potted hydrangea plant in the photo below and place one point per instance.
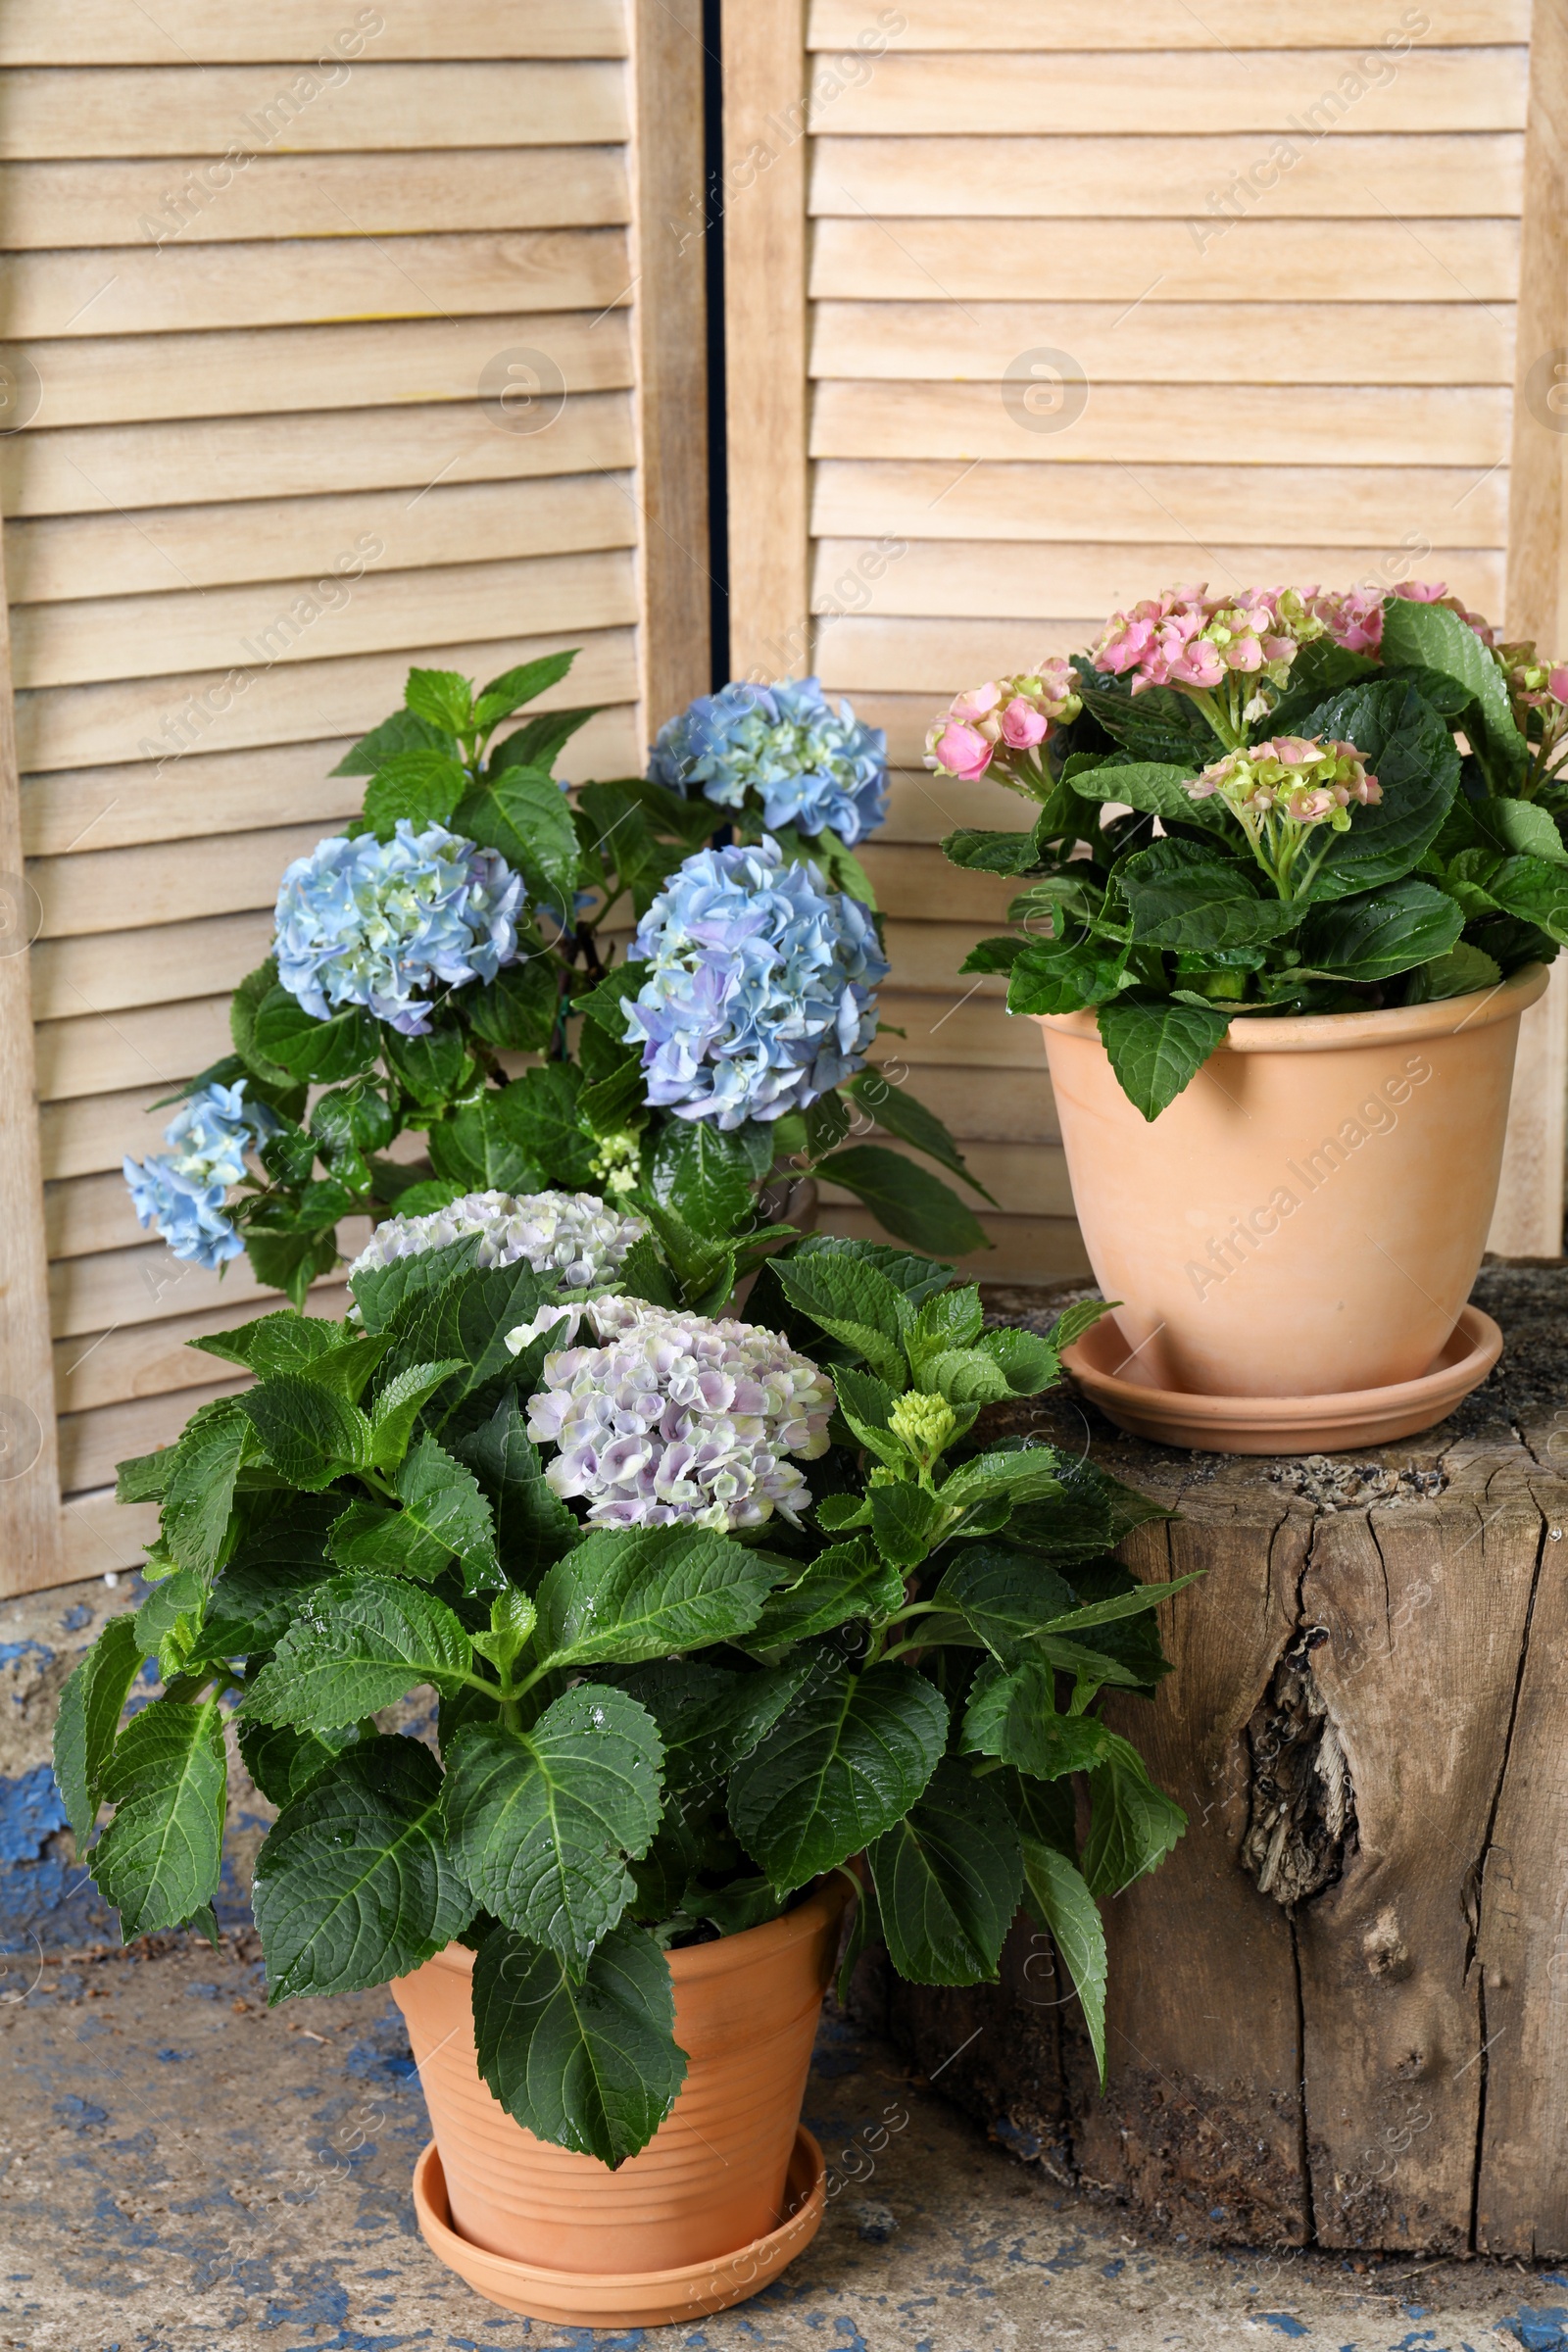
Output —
(445, 969)
(722, 1625)
(1296, 868)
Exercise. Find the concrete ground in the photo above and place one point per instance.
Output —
(182, 2168)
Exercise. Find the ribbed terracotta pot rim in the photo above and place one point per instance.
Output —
(1331, 1032)
(693, 1962)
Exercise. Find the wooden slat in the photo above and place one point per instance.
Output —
(1339, 505)
(118, 1287)
(934, 658)
(1376, 260)
(926, 955)
(95, 808)
(151, 1359)
(1304, 94)
(95, 469)
(1025, 1250)
(106, 32)
(923, 806)
(117, 969)
(290, 703)
(990, 1105)
(103, 1054)
(95, 1131)
(976, 1033)
(766, 336)
(1028, 1180)
(1126, 24)
(169, 203)
(1181, 343)
(30, 1466)
(107, 638)
(670, 328)
(916, 882)
(119, 379)
(281, 539)
(92, 1443)
(88, 1213)
(1445, 174)
(990, 577)
(102, 1538)
(1529, 1216)
(197, 289)
(123, 891)
(159, 110)
(1246, 424)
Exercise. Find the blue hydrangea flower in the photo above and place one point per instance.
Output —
(181, 1192)
(763, 994)
(212, 1132)
(188, 1215)
(383, 923)
(808, 765)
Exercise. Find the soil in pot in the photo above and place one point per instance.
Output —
(1308, 1217)
(714, 2177)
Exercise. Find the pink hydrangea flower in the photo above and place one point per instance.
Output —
(1303, 781)
(1000, 729)
(961, 751)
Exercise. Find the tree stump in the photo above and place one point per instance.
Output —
(1339, 2012)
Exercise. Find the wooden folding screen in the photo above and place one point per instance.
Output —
(1035, 307)
(335, 337)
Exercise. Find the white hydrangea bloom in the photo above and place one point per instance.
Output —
(571, 1237)
(679, 1419)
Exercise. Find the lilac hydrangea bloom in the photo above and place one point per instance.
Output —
(382, 923)
(571, 1237)
(678, 1419)
(808, 765)
(181, 1192)
(763, 992)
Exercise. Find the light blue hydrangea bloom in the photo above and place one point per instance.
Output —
(182, 1192)
(763, 994)
(383, 923)
(808, 765)
(212, 1132)
(189, 1217)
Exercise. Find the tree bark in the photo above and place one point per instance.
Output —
(1339, 2012)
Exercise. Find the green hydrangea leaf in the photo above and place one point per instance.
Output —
(595, 2066)
(949, 1878)
(543, 1822)
(354, 1884)
(845, 1761)
(359, 1643)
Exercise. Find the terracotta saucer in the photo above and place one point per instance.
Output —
(633, 2298)
(1339, 1424)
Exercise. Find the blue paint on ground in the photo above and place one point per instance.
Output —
(1538, 2330)
(74, 1619)
(1283, 2320)
(42, 1893)
(10, 1652)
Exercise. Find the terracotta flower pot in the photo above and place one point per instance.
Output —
(1308, 1216)
(710, 2181)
